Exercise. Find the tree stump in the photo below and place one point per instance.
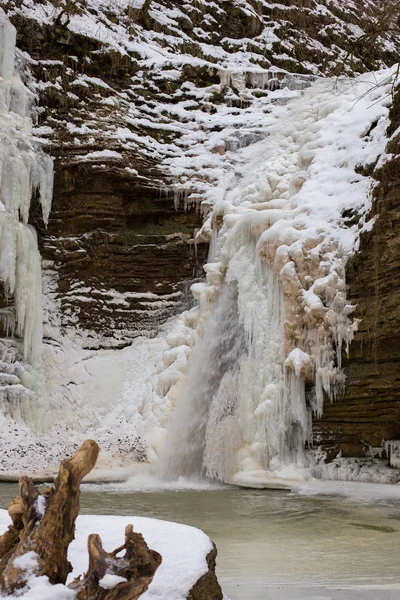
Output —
(44, 524)
(135, 569)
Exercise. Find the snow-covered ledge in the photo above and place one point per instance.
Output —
(186, 571)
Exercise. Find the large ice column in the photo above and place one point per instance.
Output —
(8, 36)
(240, 406)
(25, 171)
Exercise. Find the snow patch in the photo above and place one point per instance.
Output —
(183, 549)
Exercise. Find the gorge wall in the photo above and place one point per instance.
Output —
(111, 80)
(117, 246)
(369, 413)
(144, 105)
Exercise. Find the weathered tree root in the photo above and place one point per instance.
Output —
(137, 567)
(44, 523)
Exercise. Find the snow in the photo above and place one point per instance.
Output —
(101, 154)
(27, 562)
(108, 582)
(40, 505)
(106, 395)
(183, 549)
(39, 588)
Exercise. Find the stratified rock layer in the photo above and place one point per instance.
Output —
(127, 97)
(121, 250)
(369, 413)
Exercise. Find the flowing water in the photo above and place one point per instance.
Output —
(209, 398)
(274, 545)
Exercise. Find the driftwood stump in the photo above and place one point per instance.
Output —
(44, 524)
(137, 567)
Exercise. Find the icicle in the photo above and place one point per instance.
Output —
(24, 171)
(28, 294)
(393, 452)
(8, 37)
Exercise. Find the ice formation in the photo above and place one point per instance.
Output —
(25, 172)
(392, 448)
(272, 319)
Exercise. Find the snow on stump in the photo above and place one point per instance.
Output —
(43, 526)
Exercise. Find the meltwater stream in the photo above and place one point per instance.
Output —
(273, 545)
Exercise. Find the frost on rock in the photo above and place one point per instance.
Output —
(25, 171)
(281, 238)
(392, 448)
(372, 470)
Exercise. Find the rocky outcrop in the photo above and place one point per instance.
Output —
(369, 413)
(118, 245)
(120, 249)
(207, 587)
(132, 105)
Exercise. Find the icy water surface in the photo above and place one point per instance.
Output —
(273, 545)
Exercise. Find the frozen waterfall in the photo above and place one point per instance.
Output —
(261, 352)
(25, 171)
(241, 406)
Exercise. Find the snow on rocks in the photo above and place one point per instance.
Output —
(183, 549)
(107, 395)
(370, 470)
(190, 109)
(288, 221)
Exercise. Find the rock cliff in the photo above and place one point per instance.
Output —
(369, 413)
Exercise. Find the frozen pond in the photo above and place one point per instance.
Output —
(275, 545)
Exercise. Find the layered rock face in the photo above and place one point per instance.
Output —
(369, 413)
(120, 252)
(141, 102)
(117, 246)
